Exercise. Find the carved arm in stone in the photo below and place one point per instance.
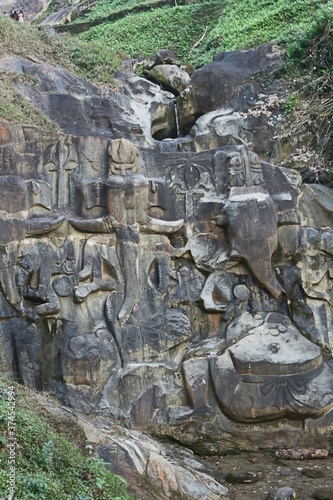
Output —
(163, 226)
(39, 226)
(99, 225)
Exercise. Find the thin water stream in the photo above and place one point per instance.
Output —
(176, 117)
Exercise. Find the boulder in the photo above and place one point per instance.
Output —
(229, 81)
(284, 493)
(163, 56)
(170, 77)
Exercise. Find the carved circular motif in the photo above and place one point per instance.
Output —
(242, 293)
(63, 286)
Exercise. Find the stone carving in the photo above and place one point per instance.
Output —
(272, 372)
(94, 194)
(16, 194)
(251, 220)
(204, 325)
(94, 256)
(14, 230)
(48, 260)
(126, 207)
(190, 179)
(39, 193)
(62, 161)
(7, 160)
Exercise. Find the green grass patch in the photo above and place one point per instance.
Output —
(51, 458)
(15, 108)
(93, 60)
(106, 7)
(142, 34)
(230, 25)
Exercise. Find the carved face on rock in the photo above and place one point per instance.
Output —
(123, 157)
(245, 169)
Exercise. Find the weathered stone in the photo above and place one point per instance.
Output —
(240, 477)
(226, 82)
(322, 197)
(163, 56)
(184, 292)
(170, 77)
(301, 454)
(247, 377)
(323, 494)
(284, 493)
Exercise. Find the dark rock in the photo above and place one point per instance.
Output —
(323, 494)
(243, 477)
(170, 77)
(227, 82)
(313, 473)
(163, 56)
(286, 472)
(285, 493)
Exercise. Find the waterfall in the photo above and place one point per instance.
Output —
(176, 117)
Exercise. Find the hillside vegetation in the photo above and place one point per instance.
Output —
(51, 457)
(226, 25)
(195, 31)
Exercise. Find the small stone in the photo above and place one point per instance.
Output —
(241, 477)
(284, 493)
(313, 473)
(286, 472)
(282, 328)
(323, 494)
(242, 293)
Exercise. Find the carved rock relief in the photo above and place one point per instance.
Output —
(186, 273)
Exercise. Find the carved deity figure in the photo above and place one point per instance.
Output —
(126, 207)
(251, 219)
(13, 230)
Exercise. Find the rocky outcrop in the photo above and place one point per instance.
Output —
(165, 470)
(163, 69)
(228, 82)
(183, 289)
(170, 77)
(30, 8)
(186, 294)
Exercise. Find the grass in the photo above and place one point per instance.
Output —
(106, 7)
(14, 107)
(24, 41)
(230, 25)
(144, 33)
(92, 61)
(51, 457)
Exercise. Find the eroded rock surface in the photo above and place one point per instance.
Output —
(181, 288)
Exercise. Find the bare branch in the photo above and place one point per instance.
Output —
(200, 40)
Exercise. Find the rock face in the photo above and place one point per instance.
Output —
(229, 81)
(183, 289)
(169, 76)
(30, 8)
(183, 293)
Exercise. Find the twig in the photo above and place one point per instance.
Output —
(200, 40)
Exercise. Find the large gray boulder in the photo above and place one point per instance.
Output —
(229, 81)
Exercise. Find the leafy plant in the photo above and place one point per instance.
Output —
(51, 460)
(290, 103)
